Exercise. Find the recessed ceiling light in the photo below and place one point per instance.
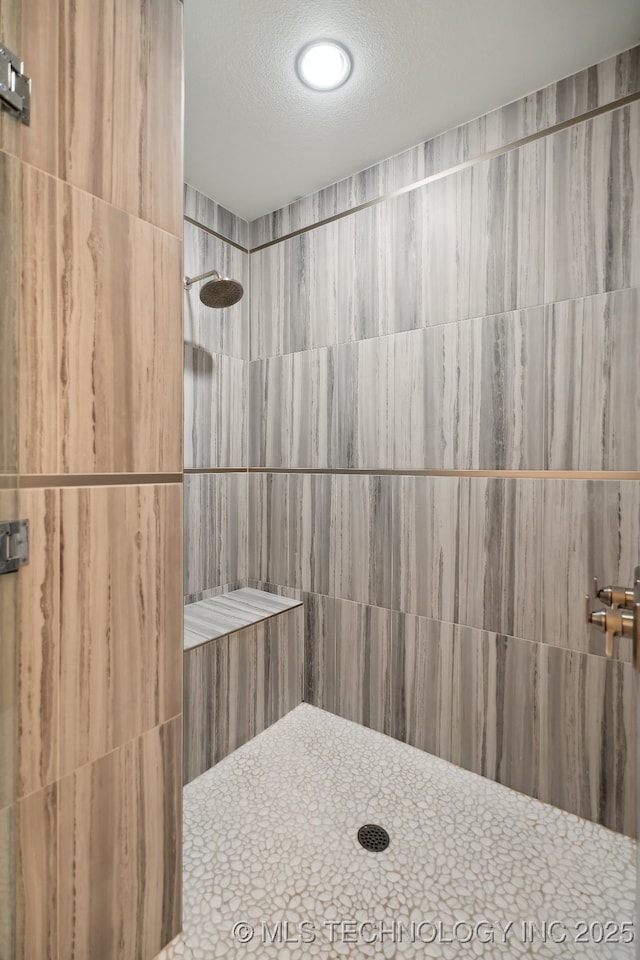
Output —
(324, 65)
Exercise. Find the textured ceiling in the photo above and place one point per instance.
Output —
(256, 138)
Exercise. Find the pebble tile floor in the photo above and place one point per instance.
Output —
(270, 837)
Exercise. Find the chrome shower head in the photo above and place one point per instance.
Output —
(219, 292)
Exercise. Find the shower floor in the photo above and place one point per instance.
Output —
(271, 857)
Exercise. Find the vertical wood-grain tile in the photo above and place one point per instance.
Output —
(213, 215)
(468, 395)
(215, 409)
(269, 285)
(364, 416)
(120, 133)
(39, 380)
(427, 683)
(313, 405)
(8, 880)
(268, 527)
(36, 876)
(39, 50)
(121, 616)
(507, 231)
(270, 412)
(593, 212)
(11, 172)
(498, 542)
(283, 639)
(588, 737)
(215, 525)
(114, 903)
(591, 389)
(495, 728)
(320, 667)
(369, 668)
(363, 536)
(39, 643)
(591, 529)
(310, 499)
(238, 685)
(425, 545)
(121, 348)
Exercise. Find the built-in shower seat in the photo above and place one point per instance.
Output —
(243, 654)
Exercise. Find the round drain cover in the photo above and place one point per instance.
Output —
(372, 837)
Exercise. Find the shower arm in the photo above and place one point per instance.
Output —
(189, 281)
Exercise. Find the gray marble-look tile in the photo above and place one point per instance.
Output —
(588, 737)
(215, 409)
(363, 534)
(427, 683)
(270, 411)
(320, 667)
(269, 289)
(429, 236)
(312, 262)
(294, 299)
(596, 86)
(268, 523)
(505, 269)
(361, 278)
(228, 612)
(425, 545)
(593, 213)
(592, 394)
(369, 668)
(215, 591)
(205, 328)
(210, 214)
(215, 530)
(468, 395)
(292, 409)
(591, 529)
(313, 408)
(498, 556)
(311, 534)
(364, 414)
(496, 708)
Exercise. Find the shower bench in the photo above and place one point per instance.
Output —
(243, 655)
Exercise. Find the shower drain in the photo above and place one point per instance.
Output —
(372, 837)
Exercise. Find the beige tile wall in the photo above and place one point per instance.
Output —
(97, 178)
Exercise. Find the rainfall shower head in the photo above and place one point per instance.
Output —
(219, 292)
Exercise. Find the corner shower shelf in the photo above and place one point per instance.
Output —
(218, 616)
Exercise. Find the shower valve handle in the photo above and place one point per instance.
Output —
(614, 623)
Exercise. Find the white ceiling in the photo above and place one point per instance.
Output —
(256, 138)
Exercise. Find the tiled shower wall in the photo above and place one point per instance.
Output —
(215, 404)
(455, 366)
(97, 181)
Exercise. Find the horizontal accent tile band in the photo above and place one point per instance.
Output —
(31, 481)
(432, 178)
(218, 470)
(214, 233)
(516, 474)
